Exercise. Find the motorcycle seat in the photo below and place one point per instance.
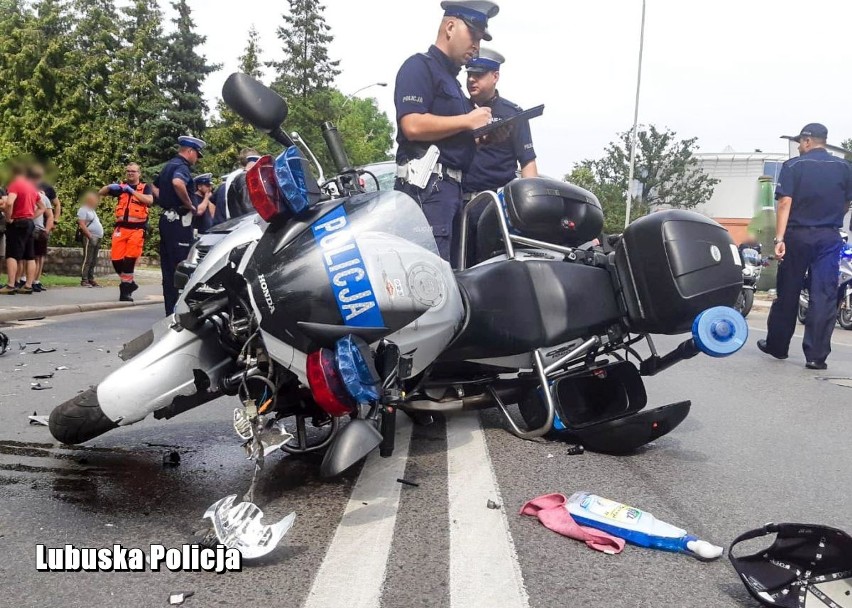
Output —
(514, 307)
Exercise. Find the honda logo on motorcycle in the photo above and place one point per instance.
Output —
(266, 295)
(346, 271)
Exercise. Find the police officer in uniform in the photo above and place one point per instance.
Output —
(202, 199)
(813, 192)
(175, 187)
(431, 109)
(497, 158)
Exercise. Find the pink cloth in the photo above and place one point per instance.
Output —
(551, 512)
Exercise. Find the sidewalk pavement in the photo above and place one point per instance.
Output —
(70, 300)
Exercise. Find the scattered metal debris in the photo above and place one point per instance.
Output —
(575, 450)
(43, 351)
(171, 459)
(37, 420)
(493, 505)
(176, 599)
(408, 483)
(238, 527)
(38, 386)
(43, 376)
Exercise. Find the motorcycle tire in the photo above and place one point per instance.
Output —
(745, 302)
(79, 419)
(844, 317)
(802, 314)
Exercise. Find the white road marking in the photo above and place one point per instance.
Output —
(353, 571)
(834, 340)
(484, 569)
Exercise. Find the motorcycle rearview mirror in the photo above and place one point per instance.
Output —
(259, 105)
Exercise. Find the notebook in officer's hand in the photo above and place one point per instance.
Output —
(525, 115)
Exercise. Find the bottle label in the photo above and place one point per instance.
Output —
(611, 510)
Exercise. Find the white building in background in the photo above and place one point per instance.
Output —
(735, 197)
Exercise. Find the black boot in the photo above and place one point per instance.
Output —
(133, 287)
(124, 290)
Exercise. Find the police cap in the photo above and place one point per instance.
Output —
(196, 144)
(489, 60)
(475, 13)
(813, 129)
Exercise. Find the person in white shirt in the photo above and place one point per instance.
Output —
(92, 232)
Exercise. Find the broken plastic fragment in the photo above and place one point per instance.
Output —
(38, 386)
(62, 368)
(38, 420)
(493, 505)
(238, 527)
(176, 599)
(270, 438)
(44, 351)
(43, 376)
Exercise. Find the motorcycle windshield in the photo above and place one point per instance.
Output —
(345, 267)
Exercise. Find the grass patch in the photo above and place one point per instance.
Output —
(52, 280)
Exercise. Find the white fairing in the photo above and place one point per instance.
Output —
(407, 277)
(161, 372)
(217, 258)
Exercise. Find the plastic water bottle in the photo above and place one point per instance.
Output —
(636, 526)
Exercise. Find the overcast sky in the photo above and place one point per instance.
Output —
(736, 73)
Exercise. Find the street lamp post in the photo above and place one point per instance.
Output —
(351, 95)
(635, 122)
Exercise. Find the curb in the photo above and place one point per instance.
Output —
(19, 314)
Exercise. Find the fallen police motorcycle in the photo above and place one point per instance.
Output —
(336, 312)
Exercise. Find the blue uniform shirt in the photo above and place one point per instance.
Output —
(219, 201)
(177, 167)
(427, 84)
(495, 163)
(820, 185)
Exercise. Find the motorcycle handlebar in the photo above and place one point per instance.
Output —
(335, 146)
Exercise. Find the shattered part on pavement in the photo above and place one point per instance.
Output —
(238, 527)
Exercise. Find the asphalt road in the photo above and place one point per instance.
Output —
(765, 441)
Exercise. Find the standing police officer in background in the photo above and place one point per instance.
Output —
(813, 192)
(431, 109)
(175, 187)
(498, 158)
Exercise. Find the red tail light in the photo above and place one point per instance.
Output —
(263, 188)
(326, 385)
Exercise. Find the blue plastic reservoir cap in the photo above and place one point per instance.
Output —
(719, 331)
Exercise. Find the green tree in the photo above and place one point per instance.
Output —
(17, 61)
(609, 195)
(665, 166)
(139, 78)
(305, 67)
(228, 133)
(184, 71)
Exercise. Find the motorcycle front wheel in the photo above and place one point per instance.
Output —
(745, 301)
(844, 317)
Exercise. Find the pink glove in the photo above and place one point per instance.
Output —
(551, 512)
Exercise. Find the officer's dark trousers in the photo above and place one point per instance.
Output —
(816, 251)
(175, 242)
(441, 204)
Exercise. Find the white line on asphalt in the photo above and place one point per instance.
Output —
(353, 571)
(484, 569)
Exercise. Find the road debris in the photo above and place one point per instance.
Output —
(43, 351)
(171, 459)
(37, 420)
(493, 505)
(238, 527)
(408, 483)
(575, 450)
(43, 376)
(4, 342)
(176, 599)
(62, 368)
(38, 386)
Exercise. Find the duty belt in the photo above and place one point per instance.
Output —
(454, 174)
